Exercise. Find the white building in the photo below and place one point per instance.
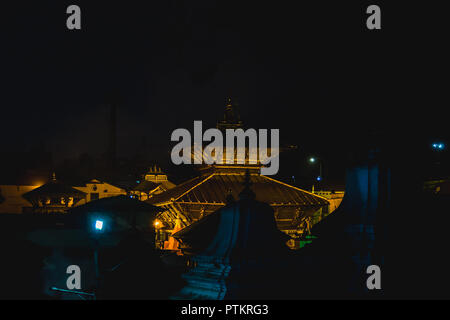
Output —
(12, 200)
(96, 189)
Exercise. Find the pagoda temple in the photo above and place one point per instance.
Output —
(198, 197)
(53, 197)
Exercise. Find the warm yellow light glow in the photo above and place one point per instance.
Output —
(157, 224)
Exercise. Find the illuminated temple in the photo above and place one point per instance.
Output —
(218, 184)
(53, 197)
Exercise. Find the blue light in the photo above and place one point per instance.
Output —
(99, 225)
(439, 146)
(319, 178)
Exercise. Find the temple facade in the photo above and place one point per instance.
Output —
(200, 196)
(196, 198)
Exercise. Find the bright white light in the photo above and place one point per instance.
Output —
(99, 225)
(312, 160)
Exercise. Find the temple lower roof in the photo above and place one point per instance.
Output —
(214, 187)
(210, 190)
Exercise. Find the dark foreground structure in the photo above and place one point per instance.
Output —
(117, 258)
(238, 252)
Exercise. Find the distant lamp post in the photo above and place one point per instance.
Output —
(313, 160)
(99, 224)
(438, 148)
(158, 225)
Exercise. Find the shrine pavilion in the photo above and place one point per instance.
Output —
(154, 182)
(53, 197)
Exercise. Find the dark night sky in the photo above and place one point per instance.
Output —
(312, 70)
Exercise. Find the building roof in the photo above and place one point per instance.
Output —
(146, 186)
(242, 226)
(53, 188)
(117, 204)
(213, 188)
(149, 186)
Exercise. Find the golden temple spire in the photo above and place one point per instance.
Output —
(231, 117)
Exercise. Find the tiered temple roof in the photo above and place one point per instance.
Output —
(202, 195)
(208, 192)
(238, 252)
